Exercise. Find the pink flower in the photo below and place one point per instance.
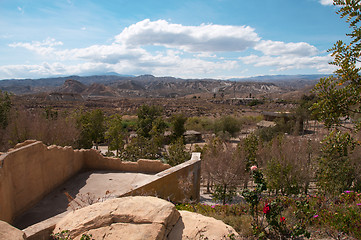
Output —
(212, 206)
(359, 204)
(315, 216)
(254, 168)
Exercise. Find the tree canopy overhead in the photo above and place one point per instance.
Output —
(339, 106)
(340, 94)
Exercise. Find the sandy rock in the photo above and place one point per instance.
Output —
(141, 211)
(196, 226)
(8, 232)
(126, 231)
(142, 218)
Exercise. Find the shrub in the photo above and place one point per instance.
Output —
(227, 124)
(336, 173)
(201, 124)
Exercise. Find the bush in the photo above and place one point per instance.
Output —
(227, 124)
(201, 124)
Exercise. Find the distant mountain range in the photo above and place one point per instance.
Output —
(293, 81)
(150, 86)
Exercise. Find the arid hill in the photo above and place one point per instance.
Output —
(72, 86)
(155, 87)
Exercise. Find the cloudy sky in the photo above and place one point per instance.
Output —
(187, 38)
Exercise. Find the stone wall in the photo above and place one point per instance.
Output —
(32, 170)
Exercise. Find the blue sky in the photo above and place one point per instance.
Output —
(188, 38)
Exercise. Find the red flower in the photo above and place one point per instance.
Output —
(282, 219)
(266, 209)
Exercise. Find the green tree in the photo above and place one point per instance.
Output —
(247, 150)
(336, 173)
(92, 128)
(5, 106)
(281, 178)
(178, 129)
(150, 120)
(339, 101)
(303, 112)
(177, 153)
(250, 146)
(115, 134)
(339, 95)
(141, 147)
(150, 139)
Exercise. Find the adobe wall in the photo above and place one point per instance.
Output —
(28, 173)
(32, 170)
(177, 184)
(95, 161)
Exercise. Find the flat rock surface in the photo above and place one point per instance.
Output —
(126, 231)
(8, 232)
(83, 189)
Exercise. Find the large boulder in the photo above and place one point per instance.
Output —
(141, 218)
(122, 218)
(8, 232)
(196, 226)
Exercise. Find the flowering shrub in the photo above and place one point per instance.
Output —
(253, 198)
(282, 217)
(341, 214)
(273, 222)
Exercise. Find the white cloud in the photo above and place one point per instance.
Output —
(206, 55)
(102, 53)
(50, 69)
(43, 48)
(182, 51)
(283, 63)
(326, 2)
(160, 65)
(203, 38)
(280, 48)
